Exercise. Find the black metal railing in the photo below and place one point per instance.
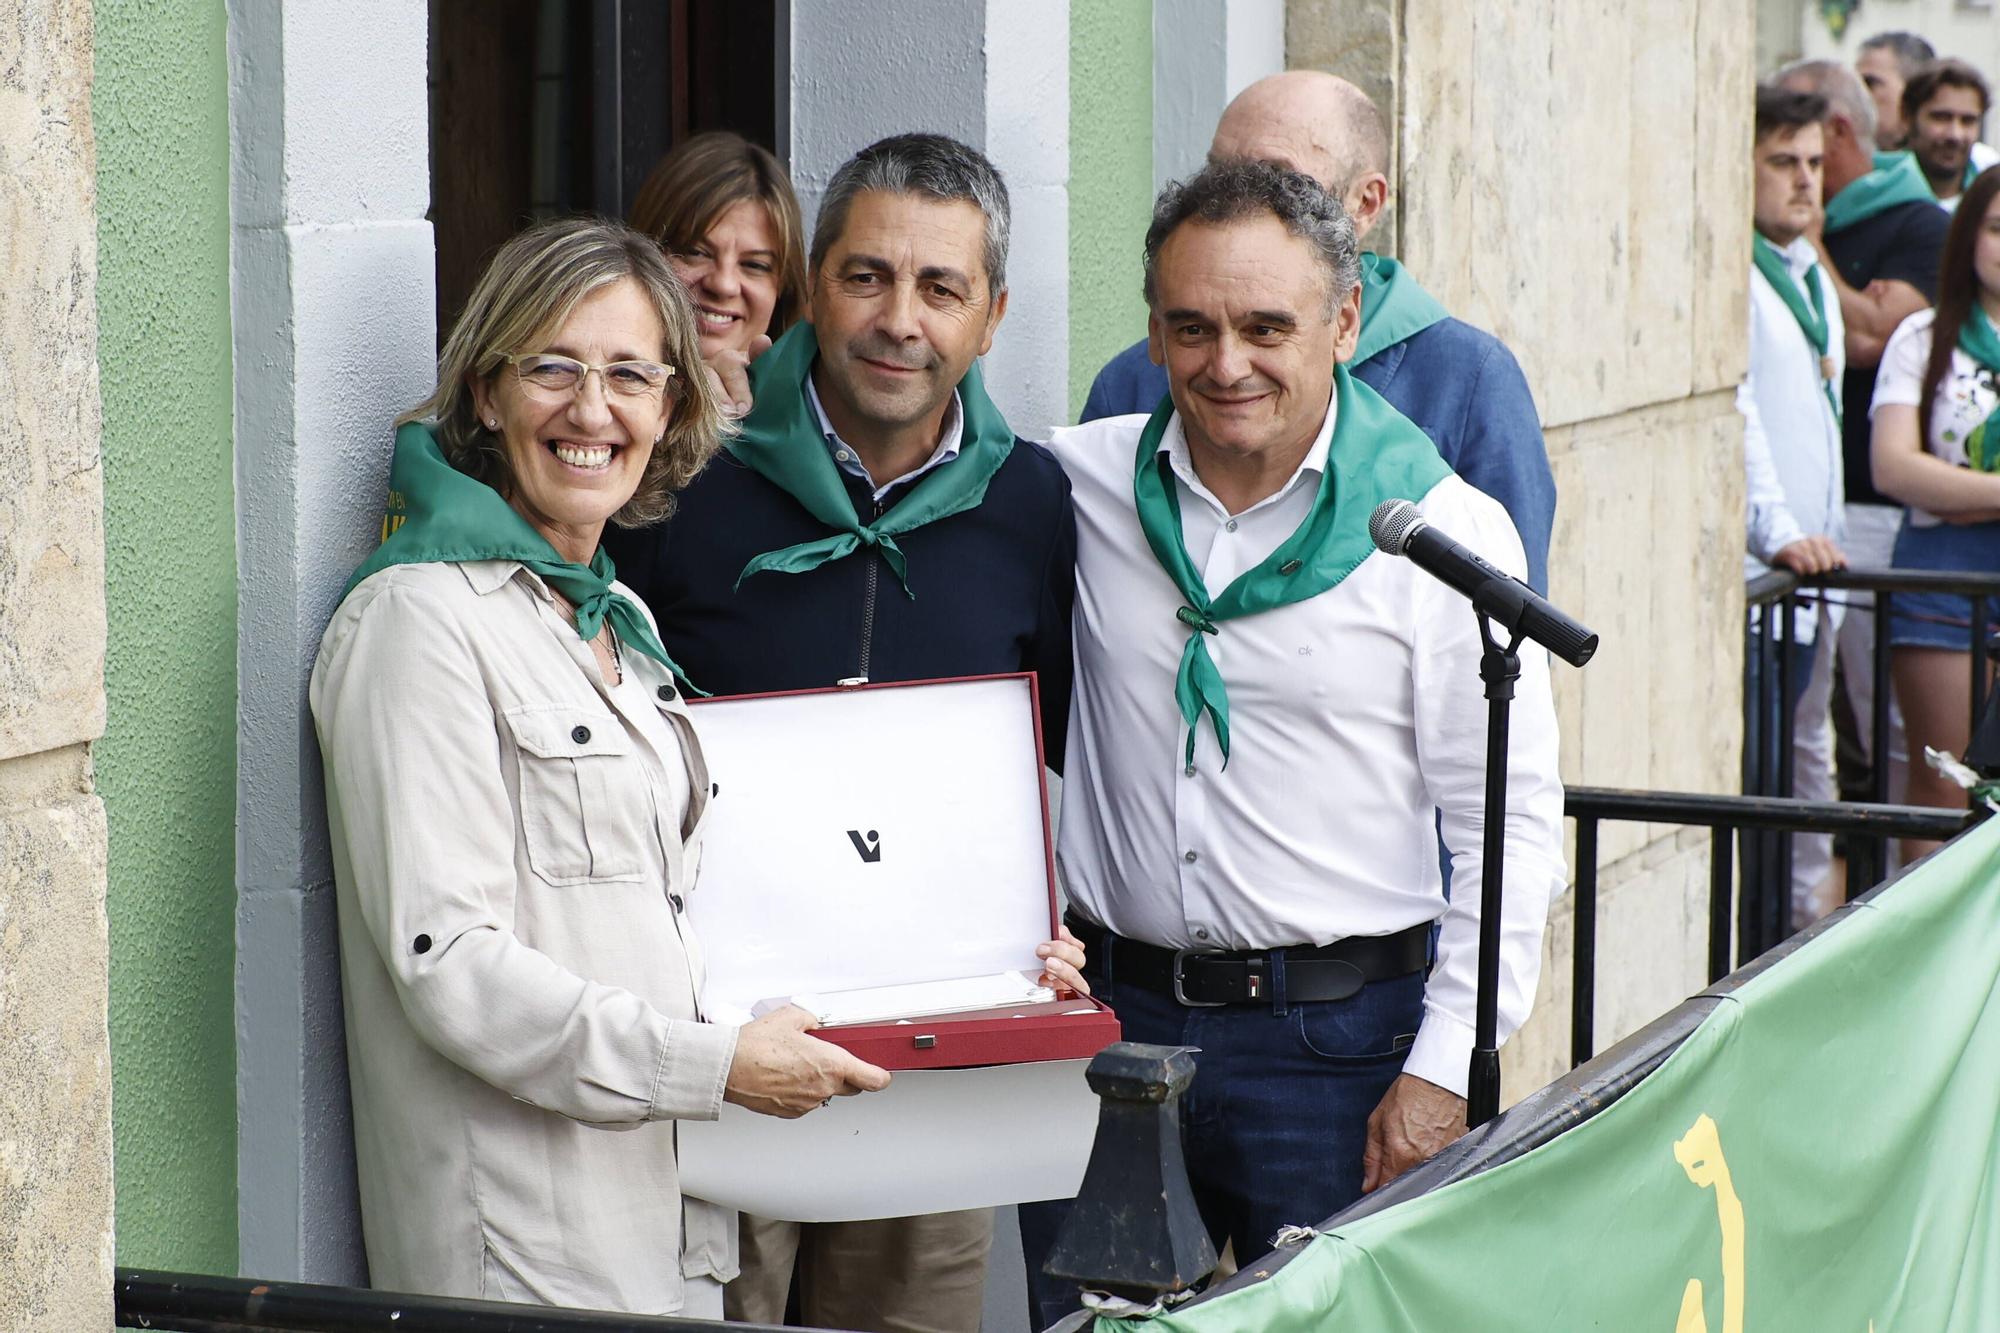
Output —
(199, 1303)
(1869, 592)
(1729, 817)
(1775, 603)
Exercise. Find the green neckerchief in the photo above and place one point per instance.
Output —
(437, 513)
(1393, 306)
(1964, 182)
(1977, 340)
(1897, 179)
(1777, 270)
(1376, 454)
(781, 439)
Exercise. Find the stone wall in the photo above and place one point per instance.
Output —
(1574, 176)
(55, 1063)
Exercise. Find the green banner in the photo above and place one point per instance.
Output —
(1822, 1153)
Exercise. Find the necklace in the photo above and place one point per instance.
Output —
(617, 653)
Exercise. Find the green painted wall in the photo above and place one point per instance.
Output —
(1110, 179)
(167, 764)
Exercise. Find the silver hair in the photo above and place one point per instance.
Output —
(1842, 88)
(930, 165)
(1909, 49)
(1232, 190)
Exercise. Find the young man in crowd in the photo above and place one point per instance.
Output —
(1792, 447)
(1882, 237)
(1458, 383)
(1945, 105)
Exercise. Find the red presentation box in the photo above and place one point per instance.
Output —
(883, 853)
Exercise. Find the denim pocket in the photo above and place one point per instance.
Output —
(1378, 1022)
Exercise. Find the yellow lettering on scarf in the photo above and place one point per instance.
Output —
(395, 517)
(1699, 1152)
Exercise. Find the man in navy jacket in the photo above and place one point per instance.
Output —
(1458, 383)
(876, 519)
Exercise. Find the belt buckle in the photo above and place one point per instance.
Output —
(1180, 993)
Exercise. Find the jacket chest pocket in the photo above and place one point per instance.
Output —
(584, 799)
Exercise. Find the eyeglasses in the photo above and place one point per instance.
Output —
(551, 375)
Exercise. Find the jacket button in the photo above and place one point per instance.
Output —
(581, 735)
(422, 944)
(667, 693)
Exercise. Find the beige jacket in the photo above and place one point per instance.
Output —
(513, 844)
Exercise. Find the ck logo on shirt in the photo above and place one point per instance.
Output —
(869, 849)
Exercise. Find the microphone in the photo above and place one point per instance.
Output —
(1400, 528)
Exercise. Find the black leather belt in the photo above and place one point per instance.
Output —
(1312, 972)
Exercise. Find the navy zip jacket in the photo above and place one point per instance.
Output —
(994, 586)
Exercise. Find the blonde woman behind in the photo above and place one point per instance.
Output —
(723, 210)
(516, 797)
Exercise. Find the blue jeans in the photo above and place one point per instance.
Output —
(1936, 619)
(1275, 1122)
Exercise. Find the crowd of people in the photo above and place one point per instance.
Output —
(1873, 364)
(709, 451)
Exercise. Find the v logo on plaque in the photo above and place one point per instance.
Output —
(868, 848)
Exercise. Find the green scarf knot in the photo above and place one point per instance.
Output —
(1187, 615)
(781, 440)
(438, 514)
(1376, 454)
(1977, 339)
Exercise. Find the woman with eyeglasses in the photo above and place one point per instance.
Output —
(723, 210)
(1936, 448)
(516, 797)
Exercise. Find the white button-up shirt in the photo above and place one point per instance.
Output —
(1354, 715)
(513, 843)
(1791, 438)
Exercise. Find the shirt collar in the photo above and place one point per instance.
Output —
(848, 459)
(487, 576)
(1175, 446)
(1799, 256)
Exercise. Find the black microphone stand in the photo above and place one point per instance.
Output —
(1500, 668)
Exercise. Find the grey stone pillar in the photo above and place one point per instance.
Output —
(333, 307)
(991, 73)
(1204, 53)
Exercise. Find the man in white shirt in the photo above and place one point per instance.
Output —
(1792, 448)
(1268, 715)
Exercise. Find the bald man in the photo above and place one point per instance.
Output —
(1456, 382)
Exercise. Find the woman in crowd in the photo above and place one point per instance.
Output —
(724, 212)
(516, 798)
(1936, 448)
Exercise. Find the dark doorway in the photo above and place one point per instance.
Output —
(545, 107)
